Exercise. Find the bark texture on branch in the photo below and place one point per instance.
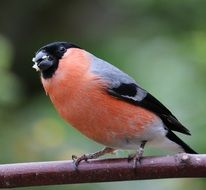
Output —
(64, 172)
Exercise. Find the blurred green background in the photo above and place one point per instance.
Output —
(162, 44)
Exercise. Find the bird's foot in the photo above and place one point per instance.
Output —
(86, 157)
(136, 159)
(138, 155)
(77, 160)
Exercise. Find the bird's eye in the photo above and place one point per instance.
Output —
(62, 49)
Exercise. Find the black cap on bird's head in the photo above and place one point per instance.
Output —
(47, 58)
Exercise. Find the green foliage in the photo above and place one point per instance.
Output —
(162, 44)
(9, 82)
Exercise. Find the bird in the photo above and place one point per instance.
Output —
(105, 104)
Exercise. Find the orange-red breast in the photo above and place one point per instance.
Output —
(104, 103)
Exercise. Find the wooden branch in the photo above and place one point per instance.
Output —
(64, 172)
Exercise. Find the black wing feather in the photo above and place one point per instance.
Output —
(124, 92)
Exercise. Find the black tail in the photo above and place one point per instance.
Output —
(170, 135)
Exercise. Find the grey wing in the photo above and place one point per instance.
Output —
(117, 79)
(124, 87)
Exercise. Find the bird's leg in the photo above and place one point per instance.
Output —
(97, 154)
(138, 155)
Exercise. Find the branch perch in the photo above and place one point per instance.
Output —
(63, 172)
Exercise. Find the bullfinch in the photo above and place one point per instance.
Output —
(104, 103)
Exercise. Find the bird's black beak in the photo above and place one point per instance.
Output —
(42, 61)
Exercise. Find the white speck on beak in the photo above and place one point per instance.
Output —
(35, 66)
(45, 57)
(39, 56)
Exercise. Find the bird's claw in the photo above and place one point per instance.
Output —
(95, 155)
(138, 155)
(136, 159)
(77, 160)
